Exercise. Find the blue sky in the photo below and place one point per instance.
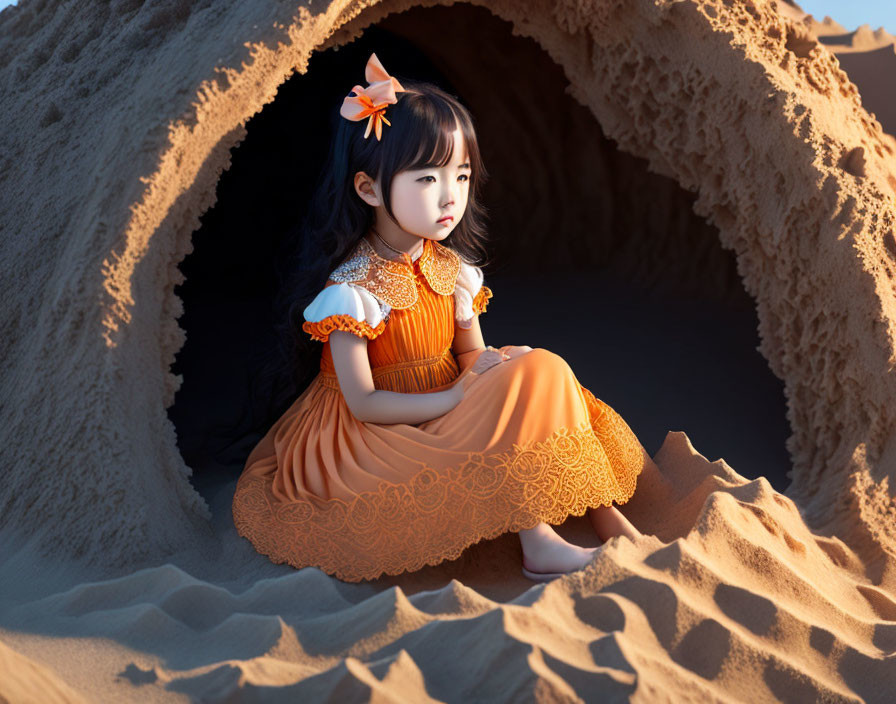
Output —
(877, 13)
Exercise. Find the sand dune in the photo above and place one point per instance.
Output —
(733, 588)
(119, 581)
(867, 55)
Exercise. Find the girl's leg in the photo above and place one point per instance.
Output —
(609, 522)
(545, 551)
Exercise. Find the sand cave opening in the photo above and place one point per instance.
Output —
(594, 256)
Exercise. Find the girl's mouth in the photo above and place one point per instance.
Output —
(446, 219)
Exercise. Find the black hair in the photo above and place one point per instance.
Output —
(420, 136)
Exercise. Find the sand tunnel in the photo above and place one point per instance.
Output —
(583, 235)
(762, 166)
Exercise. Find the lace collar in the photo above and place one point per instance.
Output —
(393, 281)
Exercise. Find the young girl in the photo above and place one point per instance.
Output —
(415, 440)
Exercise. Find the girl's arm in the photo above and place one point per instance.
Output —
(371, 405)
(468, 344)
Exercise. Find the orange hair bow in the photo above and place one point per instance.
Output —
(372, 101)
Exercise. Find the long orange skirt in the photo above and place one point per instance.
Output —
(528, 443)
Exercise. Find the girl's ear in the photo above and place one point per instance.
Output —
(365, 188)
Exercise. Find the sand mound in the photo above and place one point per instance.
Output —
(733, 588)
(125, 581)
(867, 55)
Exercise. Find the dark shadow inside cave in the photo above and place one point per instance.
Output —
(593, 256)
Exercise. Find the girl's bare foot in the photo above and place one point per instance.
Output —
(609, 522)
(545, 551)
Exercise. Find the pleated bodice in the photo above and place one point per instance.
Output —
(413, 353)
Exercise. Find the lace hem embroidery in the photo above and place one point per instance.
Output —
(435, 516)
(321, 329)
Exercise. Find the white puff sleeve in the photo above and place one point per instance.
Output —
(345, 306)
(470, 296)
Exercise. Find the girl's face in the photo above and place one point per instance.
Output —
(430, 202)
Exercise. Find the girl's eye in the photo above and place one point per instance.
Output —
(465, 177)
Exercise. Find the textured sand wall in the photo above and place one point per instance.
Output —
(119, 120)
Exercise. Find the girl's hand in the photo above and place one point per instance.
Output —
(516, 350)
(486, 360)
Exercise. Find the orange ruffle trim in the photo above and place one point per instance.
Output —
(321, 329)
(480, 302)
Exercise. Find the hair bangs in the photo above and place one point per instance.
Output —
(436, 144)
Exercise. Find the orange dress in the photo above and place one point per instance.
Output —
(527, 443)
